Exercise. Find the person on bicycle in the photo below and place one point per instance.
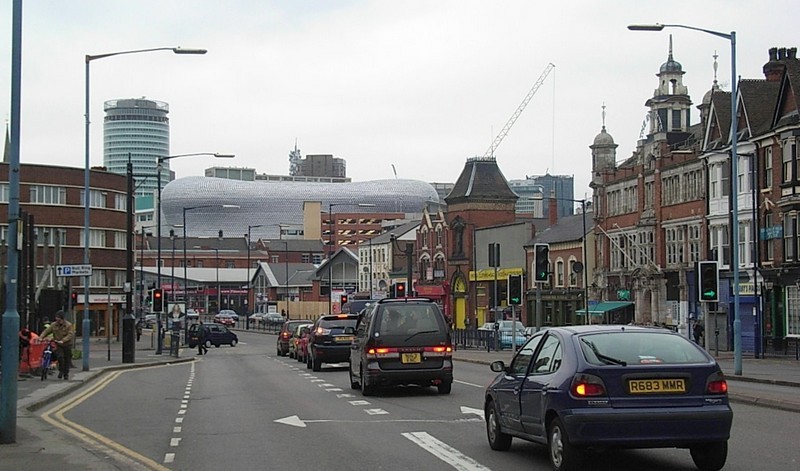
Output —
(63, 336)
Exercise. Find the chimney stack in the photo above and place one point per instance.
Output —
(773, 70)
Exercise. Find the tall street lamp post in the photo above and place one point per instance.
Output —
(9, 355)
(332, 245)
(249, 284)
(737, 321)
(159, 165)
(86, 184)
(219, 291)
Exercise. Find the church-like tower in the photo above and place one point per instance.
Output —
(670, 106)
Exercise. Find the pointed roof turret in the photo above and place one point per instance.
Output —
(481, 180)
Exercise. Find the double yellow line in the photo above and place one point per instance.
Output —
(55, 416)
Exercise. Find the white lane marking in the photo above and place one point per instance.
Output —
(340, 396)
(184, 401)
(178, 420)
(359, 403)
(333, 389)
(468, 384)
(176, 429)
(317, 380)
(296, 421)
(169, 458)
(445, 452)
(375, 411)
(182, 411)
(326, 385)
(184, 406)
(174, 441)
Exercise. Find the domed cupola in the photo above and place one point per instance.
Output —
(604, 151)
(670, 104)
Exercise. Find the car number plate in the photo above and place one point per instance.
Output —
(411, 358)
(347, 338)
(656, 386)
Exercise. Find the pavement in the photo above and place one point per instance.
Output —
(38, 442)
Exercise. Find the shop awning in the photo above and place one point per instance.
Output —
(601, 308)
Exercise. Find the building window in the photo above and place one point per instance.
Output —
(438, 237)
(768, 167)
(744, 243)
(120, 240)
(789, 161)
(560, 272)
(230, 264)
(694, 242)
(675, 240)
(47, 194)
(792, 311)
(273, 259)
(4, 193)
(97, 198)
(317, 258)
(306, 258)
(789, 236)
(97, 238)
(121, 202)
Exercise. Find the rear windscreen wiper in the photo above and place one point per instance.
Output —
(606, 358)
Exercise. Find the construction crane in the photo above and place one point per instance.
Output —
(520, 109)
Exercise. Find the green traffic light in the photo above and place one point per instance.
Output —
(709, 294)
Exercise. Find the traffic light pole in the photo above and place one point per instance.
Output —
(539, 307)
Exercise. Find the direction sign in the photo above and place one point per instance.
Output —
(73, 270)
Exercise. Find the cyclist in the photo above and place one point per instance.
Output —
(63, 335)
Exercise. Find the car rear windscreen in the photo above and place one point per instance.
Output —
(639, 348)
(408, 319)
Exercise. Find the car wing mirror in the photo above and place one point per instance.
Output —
(497, 366)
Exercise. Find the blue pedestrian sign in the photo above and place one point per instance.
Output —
(74, 270)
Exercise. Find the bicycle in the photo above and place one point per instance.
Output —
(47, 358)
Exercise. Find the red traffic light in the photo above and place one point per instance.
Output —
(401, 290)
(74, 296)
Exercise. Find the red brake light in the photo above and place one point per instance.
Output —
(716, 384)
(586, 385)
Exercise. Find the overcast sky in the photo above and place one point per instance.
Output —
(419, 84)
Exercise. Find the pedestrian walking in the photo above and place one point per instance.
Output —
(697, 332)
(63, 335)
(201, 339)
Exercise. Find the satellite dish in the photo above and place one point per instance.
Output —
(577, 267)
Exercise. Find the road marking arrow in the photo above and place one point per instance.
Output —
(470, 410)
(296, 421)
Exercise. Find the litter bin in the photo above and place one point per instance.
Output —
(174, 343)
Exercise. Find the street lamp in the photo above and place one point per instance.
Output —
(737, 322)
(331, 244)
(247, 310)
(86, 186)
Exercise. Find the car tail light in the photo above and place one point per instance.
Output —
(716, 384)
(439, 351)
(586, 385)
(382, 352)
(285, 335)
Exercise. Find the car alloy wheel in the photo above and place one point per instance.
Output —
(234, 342)
(709, 456)
(563, 455)
(497, 439)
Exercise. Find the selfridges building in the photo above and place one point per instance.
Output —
(213, 203)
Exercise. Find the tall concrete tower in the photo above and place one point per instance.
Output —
(140, 128)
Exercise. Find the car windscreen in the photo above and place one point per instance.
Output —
(410, 319)
(639, 348)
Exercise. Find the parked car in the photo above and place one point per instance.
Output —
(401, 341)
(285, 334)
(507, 332)
(294, 340)
(224, 319)
(330, 339)
(487, 326)
(302, 345)
(216, 335)
(256, 318)
(273, 318)
(192, 314)
(150, 320)
(230, 313)
(610, 386)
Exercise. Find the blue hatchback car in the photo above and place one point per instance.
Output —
(574, 388)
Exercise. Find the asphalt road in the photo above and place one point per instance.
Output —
(244, 407)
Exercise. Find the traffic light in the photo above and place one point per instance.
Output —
(514, 290)
(74, 296)
(400, 290)
(541, 262)
(158, 300)
(343, 300)
(708, 281)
